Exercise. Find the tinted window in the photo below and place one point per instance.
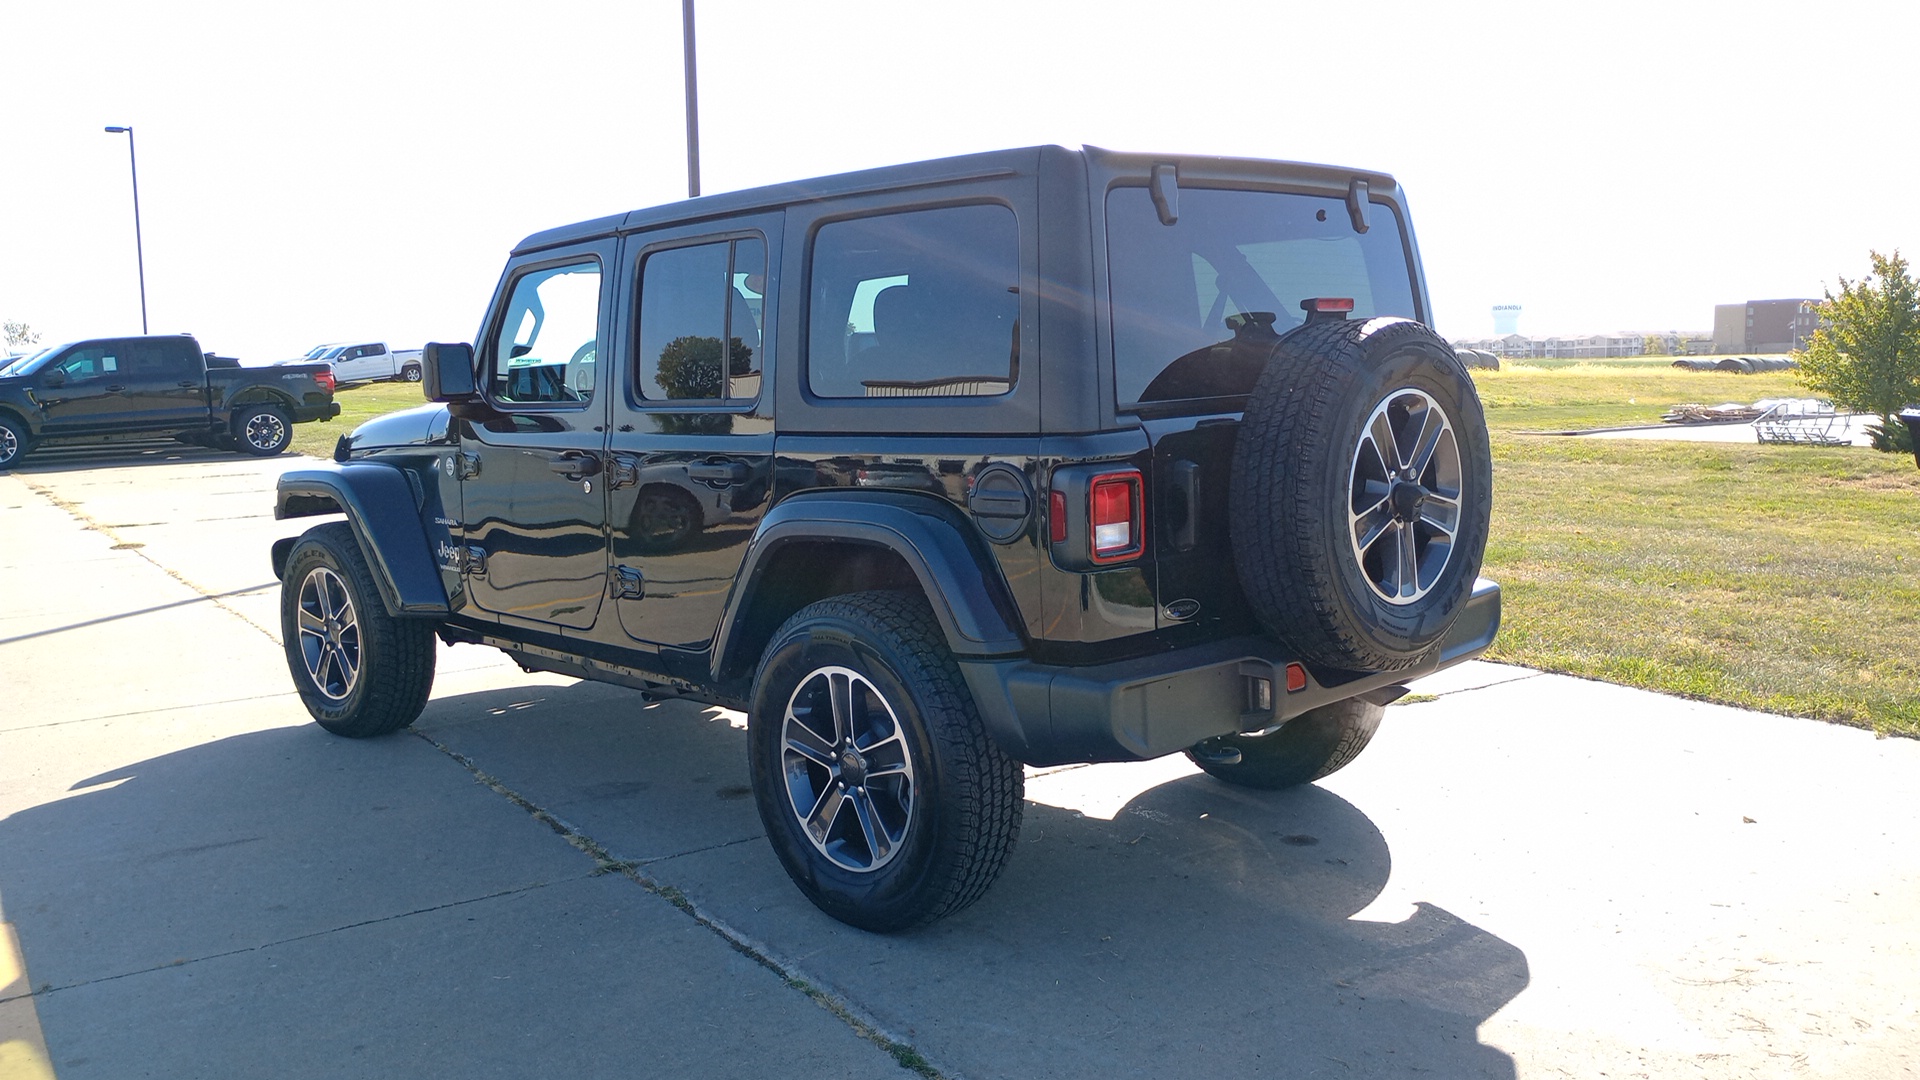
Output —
(921, 304)
(159, 359)
(1197, 303)
(700, 319)
(545, 346)
(89, 362)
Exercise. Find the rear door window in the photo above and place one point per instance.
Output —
(1193, 301)
(918, 304)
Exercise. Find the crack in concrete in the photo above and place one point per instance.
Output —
(48, 989)
(905, 1054)
(123, 544)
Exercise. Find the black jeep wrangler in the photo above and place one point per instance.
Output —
(1037, 456)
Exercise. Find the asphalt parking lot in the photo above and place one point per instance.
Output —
(1525, 876)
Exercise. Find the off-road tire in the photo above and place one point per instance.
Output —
(262, 430)
(966, 794)
(14, 442)
(1317, 743)
(1293, 517)
(382, 671)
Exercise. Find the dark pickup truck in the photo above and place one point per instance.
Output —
(112, 389)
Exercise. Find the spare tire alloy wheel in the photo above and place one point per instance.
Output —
(1361, 493)
(880, 790)
(265, 431)
(360, 671)
(1405, 505)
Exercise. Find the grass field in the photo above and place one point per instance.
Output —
(1782, 578)
(358, 404)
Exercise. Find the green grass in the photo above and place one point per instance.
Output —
(1778, 578)
(358, 404)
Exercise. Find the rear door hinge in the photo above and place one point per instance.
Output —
(622, 471)
(626, 583)
(467, 464)
(473, 561)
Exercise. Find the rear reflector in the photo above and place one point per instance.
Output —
(1057, 516)
(1296, 678)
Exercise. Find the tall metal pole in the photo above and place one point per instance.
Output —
(693, 102)
(139, 250)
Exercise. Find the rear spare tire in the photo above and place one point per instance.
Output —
(1362, 485)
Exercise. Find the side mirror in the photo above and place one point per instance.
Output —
(54, 378)
(446, 373)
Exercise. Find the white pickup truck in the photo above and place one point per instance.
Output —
(366, 361)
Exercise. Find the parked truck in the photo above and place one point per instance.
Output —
(366, 361)
(113, 389)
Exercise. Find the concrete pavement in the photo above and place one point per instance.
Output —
(1527, 875)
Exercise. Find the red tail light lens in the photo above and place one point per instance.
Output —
(1113, 509)
(325, 379)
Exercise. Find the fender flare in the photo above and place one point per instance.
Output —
(380, 505)
(957, 572)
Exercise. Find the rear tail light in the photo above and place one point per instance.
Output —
(325, 379)
(1113, 510)
(1096, 516)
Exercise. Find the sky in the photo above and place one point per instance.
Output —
(357, 169)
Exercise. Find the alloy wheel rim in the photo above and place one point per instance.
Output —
(265, 430)
(848, 773)
(329, 634)
(1405, 491)
(9, 444)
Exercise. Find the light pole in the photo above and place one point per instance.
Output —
(693, 102)
(139, 254)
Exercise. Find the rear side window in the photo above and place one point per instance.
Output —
(1193, 301)
(917, 304)
(700, 322)
(546, 344)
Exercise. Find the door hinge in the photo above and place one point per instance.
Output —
(622, 471)
(473, 561)
(626, 583)
(467, 464)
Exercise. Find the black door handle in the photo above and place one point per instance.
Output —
(188, 384)
(718, 472)
(116, 388)
(577, 466)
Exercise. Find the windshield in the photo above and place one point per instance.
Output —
(1197, 304)
(27, 363)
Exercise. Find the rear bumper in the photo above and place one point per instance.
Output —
(1153, 706)
(304, 413)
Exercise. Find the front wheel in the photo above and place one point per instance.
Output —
(881, 792)
(1317, 743)
(360, 671)
(263, 430)
(14, 443)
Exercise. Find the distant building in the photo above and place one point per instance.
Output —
(1765, 326)
(1585, 347)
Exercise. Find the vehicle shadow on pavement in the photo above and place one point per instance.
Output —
(120, 455)
(1201, 929)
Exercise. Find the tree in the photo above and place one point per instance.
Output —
(1866, 354)
(18, 334)
(1653, 345)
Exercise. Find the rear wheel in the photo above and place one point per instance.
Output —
(881, 792)
(263, 430)
(360, 671)
(1317, 743)
(410, 373)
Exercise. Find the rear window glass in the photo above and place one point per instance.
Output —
(1196, 303)
(920, 304)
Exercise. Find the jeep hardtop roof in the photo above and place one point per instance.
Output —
(980, 166)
